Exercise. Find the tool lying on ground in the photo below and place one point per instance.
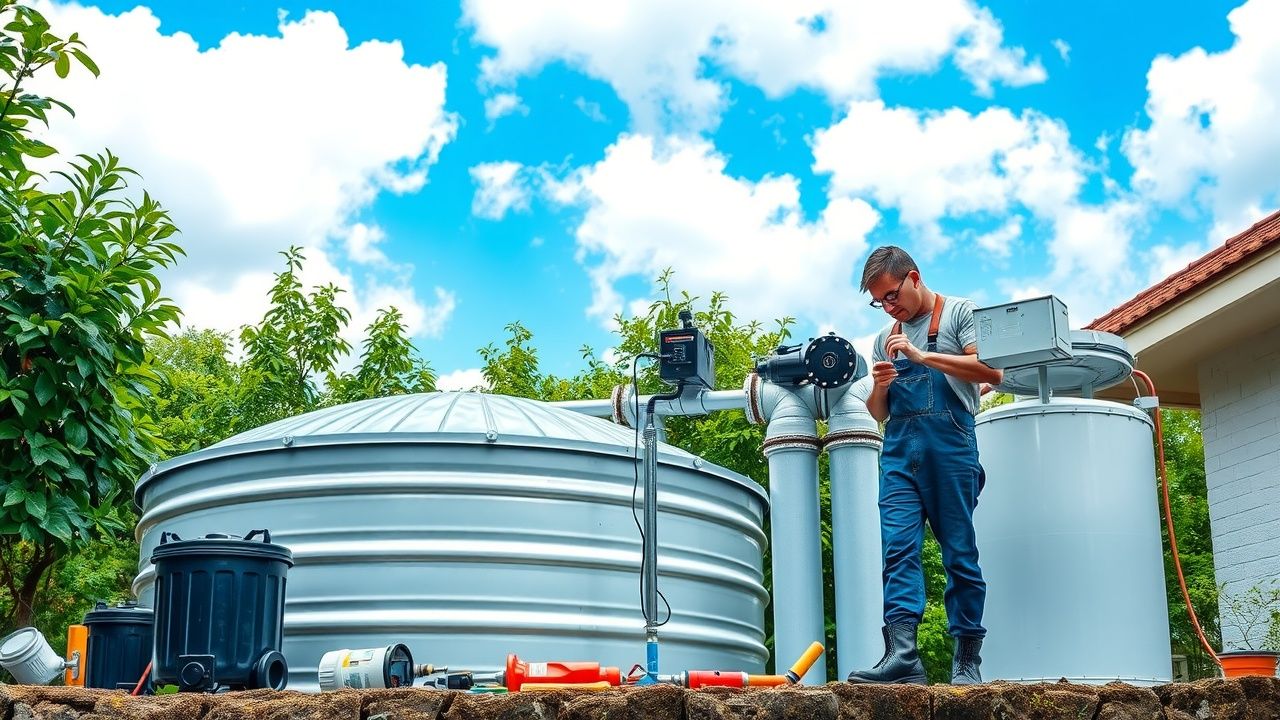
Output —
(723, 678)
(382, 667)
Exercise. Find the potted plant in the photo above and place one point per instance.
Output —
(1255, 615)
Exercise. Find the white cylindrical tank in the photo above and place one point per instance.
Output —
(1068, 534)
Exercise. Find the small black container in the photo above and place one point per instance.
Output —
(119, 645)
(219, 612)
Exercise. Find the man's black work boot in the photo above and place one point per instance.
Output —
(965, 661)
(901, 662)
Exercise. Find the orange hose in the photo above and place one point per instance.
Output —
(1168, 520)
(138, 688)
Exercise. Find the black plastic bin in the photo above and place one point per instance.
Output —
(119, 645)
(219, 612)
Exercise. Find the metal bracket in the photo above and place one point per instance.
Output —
(1147, 402)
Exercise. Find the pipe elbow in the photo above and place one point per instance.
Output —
(850, 422)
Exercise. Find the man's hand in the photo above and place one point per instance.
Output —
(900, 344)
(883, 374)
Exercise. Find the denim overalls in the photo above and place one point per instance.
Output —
(929, 470)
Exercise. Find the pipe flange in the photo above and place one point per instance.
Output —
(751, 386)
(844, 438)
(618, 399)
(791, 442)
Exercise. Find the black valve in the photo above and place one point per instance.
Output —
(828, 361)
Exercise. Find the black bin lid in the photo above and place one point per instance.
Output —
(222, 545)
(125, 612)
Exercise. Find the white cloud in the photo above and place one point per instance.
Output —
(361, 242)
(998, 243)
(952, 164)
(1063, 48)
(655, 52)
(985, 60)
(1165, 259)
(247, 147)
(1212, 132)
(466, 379)
(503, 104)
(932, 165)
(500, 187)
(653, 204)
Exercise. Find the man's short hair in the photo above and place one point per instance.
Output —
(887, 259)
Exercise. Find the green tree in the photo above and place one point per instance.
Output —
(1188, 499)
(198, 399)
(388, 364)
(298, 340)
(79, 298)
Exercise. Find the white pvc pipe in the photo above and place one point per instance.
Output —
(791, 446)
(853, 444)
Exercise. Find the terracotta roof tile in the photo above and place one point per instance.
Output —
(1231, 254)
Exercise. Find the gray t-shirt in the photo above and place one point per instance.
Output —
(955, 333)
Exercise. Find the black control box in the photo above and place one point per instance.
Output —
(686, 356)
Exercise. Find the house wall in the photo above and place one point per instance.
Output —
(1240, 401)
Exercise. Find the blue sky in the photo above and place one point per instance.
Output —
(493, 161)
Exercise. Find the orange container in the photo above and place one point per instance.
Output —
(521, 674)
(1248, 662)
(77, 648)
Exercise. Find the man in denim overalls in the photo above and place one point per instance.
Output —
(926, 378)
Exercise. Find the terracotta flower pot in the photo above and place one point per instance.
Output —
(1248, 662)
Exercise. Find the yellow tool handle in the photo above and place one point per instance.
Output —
(601, 685)
(805, 662)
(767, 680)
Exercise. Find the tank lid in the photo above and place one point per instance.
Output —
(19, 643)
(222, 545)
(1062, 406)
(469, 418)
(123, 612)
(1099, 360)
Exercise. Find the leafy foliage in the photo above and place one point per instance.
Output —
(1255, 615)
(79, 298)
(297, 341)
(1188, 498)
(198, 399)
(388, 365)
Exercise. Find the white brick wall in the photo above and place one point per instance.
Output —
(1240, 401)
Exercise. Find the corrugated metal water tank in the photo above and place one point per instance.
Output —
(1069, 542)
(469, 526)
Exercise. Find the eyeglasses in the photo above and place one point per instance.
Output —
(891, 297)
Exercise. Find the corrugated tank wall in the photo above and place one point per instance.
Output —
(469, 526)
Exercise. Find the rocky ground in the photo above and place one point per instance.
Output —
(1242, 699)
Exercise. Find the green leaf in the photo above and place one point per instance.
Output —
(36, 506)
(37, 149)
(48, 454)
(45, 388)
(62, 65)
(13, 495)
(76, 433)
(86, 61)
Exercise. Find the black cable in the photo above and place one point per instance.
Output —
(635, 466)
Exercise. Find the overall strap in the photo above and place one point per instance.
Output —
(934, 322)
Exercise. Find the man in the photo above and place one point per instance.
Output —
(925, 383)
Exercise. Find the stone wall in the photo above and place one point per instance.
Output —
(1243, 699)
